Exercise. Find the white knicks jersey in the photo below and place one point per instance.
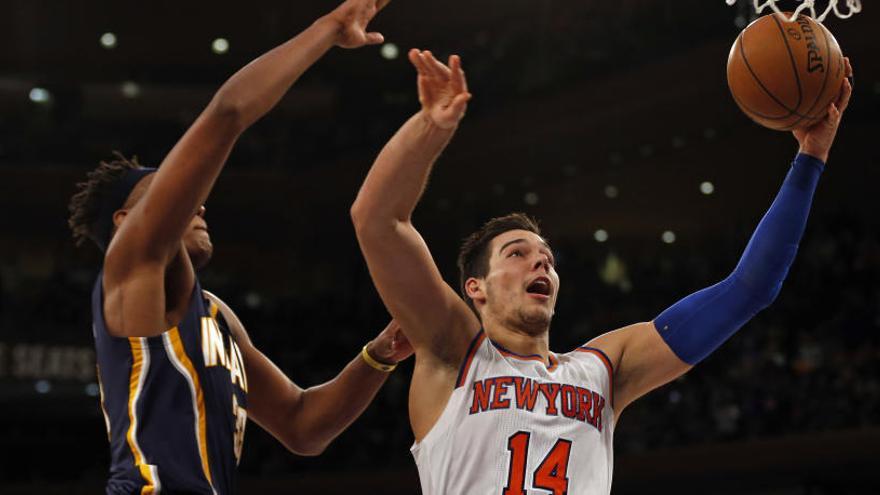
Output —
(516, 425)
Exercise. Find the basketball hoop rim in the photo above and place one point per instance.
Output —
(853, 7)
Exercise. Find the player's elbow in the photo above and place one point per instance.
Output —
(760, 295)
(359, 214)
(306, 440)
(305, 433)
(368, 222)
(766, 296)
(229, 108)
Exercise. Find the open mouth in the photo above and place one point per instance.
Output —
(540, 286)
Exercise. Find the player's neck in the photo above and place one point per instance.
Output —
(518, 340)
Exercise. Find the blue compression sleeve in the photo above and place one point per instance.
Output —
(696, 325)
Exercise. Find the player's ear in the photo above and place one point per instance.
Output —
(476, 289)
(118, 217)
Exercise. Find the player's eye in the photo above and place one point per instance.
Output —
(515, 252)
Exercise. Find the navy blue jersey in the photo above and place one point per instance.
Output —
(175, 404)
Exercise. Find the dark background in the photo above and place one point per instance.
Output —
(589, 115)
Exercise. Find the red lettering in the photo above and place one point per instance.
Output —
(601, 403)
(498, 400)
(569, 401)
(584, 402)
(526, 393)
(481, 395)
(550, 391)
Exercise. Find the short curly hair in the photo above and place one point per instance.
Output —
(473, 256)
(85, 204)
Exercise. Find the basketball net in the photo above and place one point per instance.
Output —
(852, 6)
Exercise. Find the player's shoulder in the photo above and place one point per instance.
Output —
(215, 299)
(224, 311)
(476, 352)
(588, 353)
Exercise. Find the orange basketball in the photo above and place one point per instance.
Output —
(782, 74)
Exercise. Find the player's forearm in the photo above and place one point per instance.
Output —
(328, 409)
(699, 323)
(772, 248)
(256, 88)
(399, 175)
(188, 173)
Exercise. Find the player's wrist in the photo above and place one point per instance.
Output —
(375, 361)
(432, 124)
(811, 151)
(330, 24)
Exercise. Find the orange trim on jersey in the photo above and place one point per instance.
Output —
(182, 362)
(553, 362)
(140, 363)
(469, 357)
(213, 309)
(607, 362)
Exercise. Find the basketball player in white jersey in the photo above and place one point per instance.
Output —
(493, 410)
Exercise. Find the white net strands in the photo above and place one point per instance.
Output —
(848, 8)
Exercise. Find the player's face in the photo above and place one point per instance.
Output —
(195, 238)
(198, 241)
(522, 282)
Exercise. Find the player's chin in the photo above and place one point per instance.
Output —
(536, 318)
(200, 251)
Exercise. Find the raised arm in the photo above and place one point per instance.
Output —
(436, 320)
(648, 355)
(187, 174)
(147, 278)
(307, 420)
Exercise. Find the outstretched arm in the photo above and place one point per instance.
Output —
(307, 420)
(437, 322)
(647, 355)
(188, 172)
(149, 238)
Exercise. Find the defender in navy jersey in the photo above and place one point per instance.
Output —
(492, 409)
(179, 375)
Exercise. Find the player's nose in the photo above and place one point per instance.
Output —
(542, 262)
(201, 211)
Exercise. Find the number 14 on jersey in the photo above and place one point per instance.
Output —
(550, 475)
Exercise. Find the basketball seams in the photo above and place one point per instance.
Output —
(794, 66)
(752, 72)
(745, 59)
(746, 108)
(821, 92)
(759, 114)
(825, 34)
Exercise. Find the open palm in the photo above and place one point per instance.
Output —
(443, 89)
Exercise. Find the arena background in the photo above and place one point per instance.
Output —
(591, 115)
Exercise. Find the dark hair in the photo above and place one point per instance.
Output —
(473, 256)
(85, 205)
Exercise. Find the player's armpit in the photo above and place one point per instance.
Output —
(130, 303)
(641, 359)
(429, 393)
